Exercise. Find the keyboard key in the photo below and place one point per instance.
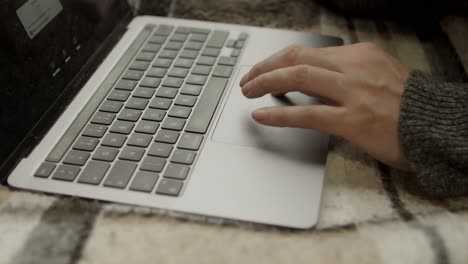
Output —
(182, 30)
(231, 43)
(222, 71)
(173, 45)
(185, 100)
(180, 111)
(122, 127)
(103, 118)
(173, 82)
(229, 61)
(191, 89)
(66, 173)
(144, 92)
(139, 65)
(188, 54)
(146, 56)
(76, 157)
(160, 150)
(157, 39)
(132, 153)
(169, 187)
(190, 141)
(239, 44)
(201, 70)
(118, 95)
(133, 75)
(150, 82)
(173, 123)
(178, 72)
(198, 37)
(144, 181)
(183, 63)
(167, 136)
(235, 53)
(153, 164)
(150, 47)
(183, 156)
(45, 170)
(105, 154)
(156, 72)
(161, 103)
(128, 85)
(192, 45)
(217, 39)
(139, 140)
(179, 37)
(120, 174)
(114, 140)
(129, 115)
(164, 30)
(206, 106)
(93, 130)
(94, 172)
(176, 171)
(204, 60)
(166, 92)
(111, 106)
(200, 30)
(168, 54)
(147, 127)
(196, 79)
(86, 143)
(211, 52)
(154, 115)
(243, 36)
(162, 63)
(137, 103)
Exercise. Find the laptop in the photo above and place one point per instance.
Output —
(147, 111)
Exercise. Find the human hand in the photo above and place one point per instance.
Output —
(363, 83)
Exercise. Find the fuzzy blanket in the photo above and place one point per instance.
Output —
(369, 214)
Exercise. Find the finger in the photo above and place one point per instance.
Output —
(290, 56)
(319, 117)
(309, 80)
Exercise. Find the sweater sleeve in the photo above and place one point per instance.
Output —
(434, 135)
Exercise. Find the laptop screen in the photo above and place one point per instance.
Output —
(44, 45)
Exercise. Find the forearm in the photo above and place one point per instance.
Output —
(434, 134)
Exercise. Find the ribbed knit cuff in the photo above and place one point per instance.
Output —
(434, 134)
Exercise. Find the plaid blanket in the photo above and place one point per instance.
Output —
(368, 215)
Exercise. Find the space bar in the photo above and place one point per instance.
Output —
(206, 106)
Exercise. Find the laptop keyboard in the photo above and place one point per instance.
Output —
(148, 131)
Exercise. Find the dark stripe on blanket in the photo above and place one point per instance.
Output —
(442, 56)
(436, 241)
(61, 233)
(353, 38)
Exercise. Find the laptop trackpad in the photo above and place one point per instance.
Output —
(237, 127)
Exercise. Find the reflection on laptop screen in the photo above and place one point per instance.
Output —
(44, 45)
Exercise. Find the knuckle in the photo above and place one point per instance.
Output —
(301, 74)
(292, 54)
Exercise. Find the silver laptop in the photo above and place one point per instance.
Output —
(148, 111)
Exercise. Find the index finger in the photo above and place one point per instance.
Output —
(291, 56)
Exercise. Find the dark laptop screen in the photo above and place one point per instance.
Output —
(44, 45)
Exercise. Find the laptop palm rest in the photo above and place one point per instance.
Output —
(237, 127)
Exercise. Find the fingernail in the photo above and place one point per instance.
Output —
(246, 89)
(260, 114)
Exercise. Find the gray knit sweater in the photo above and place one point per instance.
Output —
(434, 114)
(434, 134)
